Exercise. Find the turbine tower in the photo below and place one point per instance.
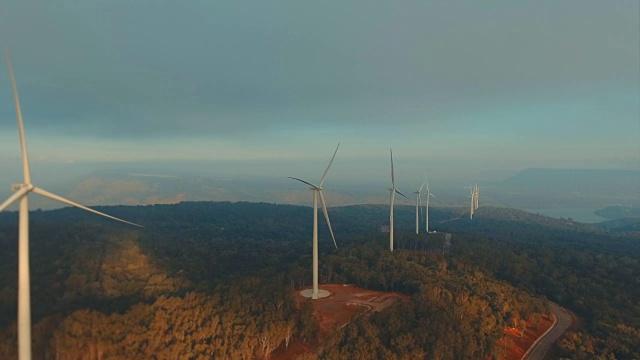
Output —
(317, 192)
(21, 193)
(393, 192)
(477, 192)
(446, 249)
(471, 206)
(426, 206)
(418, 204)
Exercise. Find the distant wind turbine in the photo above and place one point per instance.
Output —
(393, 192)
(426, 206)
(418, 204)
(21, 192)
(317, 192)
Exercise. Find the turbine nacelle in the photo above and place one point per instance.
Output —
(19, 186)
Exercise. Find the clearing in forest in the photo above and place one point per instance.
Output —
(345, 303)
(518, 342)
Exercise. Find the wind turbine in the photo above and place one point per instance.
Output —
(393, 192)
(426, 207)
(418, 203)
(21, 192)
(317, 192)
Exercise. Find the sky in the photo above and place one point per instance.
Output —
(451, 86)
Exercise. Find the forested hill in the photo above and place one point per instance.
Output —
(587, 269)
(622, 225)
(521, 226)
(87, 270)
(219, 277)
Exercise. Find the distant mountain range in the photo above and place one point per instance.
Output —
(567, 188)
(619, 212)
(528, 189)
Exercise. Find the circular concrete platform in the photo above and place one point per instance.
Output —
(308, 293)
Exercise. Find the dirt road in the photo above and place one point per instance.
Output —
(542, 345)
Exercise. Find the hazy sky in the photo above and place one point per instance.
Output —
(505, 84)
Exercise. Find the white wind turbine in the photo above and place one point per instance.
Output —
(418, 204)
(317, 192)
(426, 206)
(393, 192)
(21, 192)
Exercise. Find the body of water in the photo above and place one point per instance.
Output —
(581, 215)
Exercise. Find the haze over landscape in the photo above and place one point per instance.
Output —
(199, 126)
(466, 92)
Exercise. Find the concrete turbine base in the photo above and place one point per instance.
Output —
(308, 293)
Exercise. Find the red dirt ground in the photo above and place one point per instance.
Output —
(348, 301)
(520, 343)
(344, 303)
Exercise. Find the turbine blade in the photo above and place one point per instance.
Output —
(16, 195)
(393, 178)
(421, 186)
(330, 162)
(326, 216)
(430, 194)
(396, 190)
(55, 197)
(302, 181)
(426, 182)
(23, 142)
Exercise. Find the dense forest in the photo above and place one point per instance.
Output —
(454, 312)
(216, 280)
(588, 269)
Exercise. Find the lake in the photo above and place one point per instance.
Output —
(577, 214)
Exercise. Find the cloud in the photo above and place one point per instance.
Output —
(145, 69)
(499, 84)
